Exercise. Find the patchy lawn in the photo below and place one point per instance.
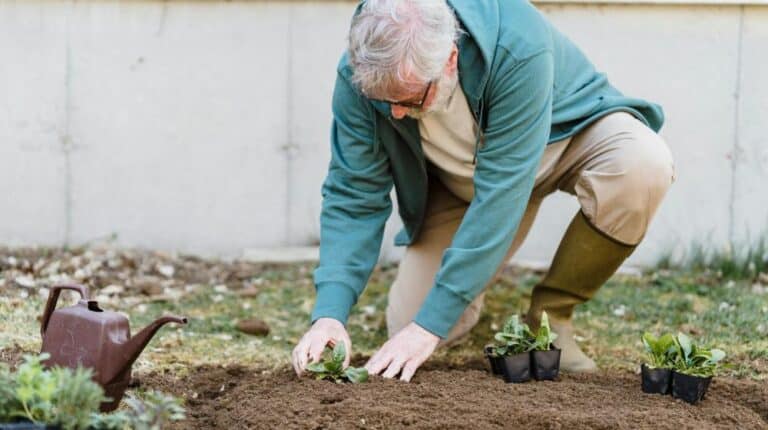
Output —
(215, 295)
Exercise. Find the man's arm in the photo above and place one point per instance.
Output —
(519, 122)
(356, 206)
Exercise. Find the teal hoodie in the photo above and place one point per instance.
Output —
(527, 85)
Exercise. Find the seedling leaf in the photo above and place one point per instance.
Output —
(331, 367)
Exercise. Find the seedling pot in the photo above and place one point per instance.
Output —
(496, 362)
(691, 389)
(656, 381)
(545, 364)
(27, 425)
(516, 368)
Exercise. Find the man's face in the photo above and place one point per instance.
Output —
(435, 95)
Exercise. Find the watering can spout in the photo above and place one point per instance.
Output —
(136, 344)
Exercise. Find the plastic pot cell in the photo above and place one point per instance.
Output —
(691, 389)
(495, 361)
(516, 368)
(656, 380)
(545, 364)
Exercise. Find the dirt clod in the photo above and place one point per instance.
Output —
(254, 327)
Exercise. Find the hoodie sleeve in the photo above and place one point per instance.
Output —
(356, 205)
(519, 120)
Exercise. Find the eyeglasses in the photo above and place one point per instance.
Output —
(411, 104)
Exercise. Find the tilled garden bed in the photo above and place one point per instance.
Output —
(466, 397)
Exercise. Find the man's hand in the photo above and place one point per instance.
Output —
(310, 347)
(405, 352)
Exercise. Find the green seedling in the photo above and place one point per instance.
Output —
(514, 338)
(661, 352)
(692, 359)
(332, 368)
(544, 336)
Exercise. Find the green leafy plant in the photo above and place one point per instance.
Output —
(151, 413)
(544, 336)
(514, 338)
(332, 368)
(692, 359)
(660, 352)
(70, 399)
(7, 393)
(59, 396)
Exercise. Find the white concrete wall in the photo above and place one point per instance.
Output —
(203, 126)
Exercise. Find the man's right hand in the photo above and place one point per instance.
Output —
(310, 348)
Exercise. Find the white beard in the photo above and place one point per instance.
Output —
(445, 89)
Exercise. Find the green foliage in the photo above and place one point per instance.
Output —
(692, 359)
(516, 337)
(661, 352)
(333, 368)
(8, 402)
(745, 260)
(58, 396)
(76, 395)
(152, 413)
(544, 336)
(70, 399)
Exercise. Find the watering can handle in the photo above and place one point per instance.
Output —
(53, 297)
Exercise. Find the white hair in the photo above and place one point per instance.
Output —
(399, 45)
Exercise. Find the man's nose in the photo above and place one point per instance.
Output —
(398, 112)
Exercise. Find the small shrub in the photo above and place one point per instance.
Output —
(70, 399)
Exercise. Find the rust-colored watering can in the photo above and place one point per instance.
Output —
(85, 335)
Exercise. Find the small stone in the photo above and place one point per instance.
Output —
(620, 311)
(25, 281)
(248, 292)
(166, 270)
(763, 278)
(254, 327)
(221, 288)
(149, 286)
(112, 289)
(691, 329)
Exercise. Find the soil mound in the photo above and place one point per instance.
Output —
(239, 397)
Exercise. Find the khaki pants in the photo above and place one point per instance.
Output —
(618, 169)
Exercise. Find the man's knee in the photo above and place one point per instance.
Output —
(650, 174)
(622, 202)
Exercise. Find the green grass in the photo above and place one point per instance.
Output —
(736, 261)
(727, 314)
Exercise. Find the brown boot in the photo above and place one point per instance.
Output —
(585, 259)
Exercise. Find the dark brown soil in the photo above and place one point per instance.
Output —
(440, 397)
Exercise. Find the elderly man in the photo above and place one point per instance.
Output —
(475, 110)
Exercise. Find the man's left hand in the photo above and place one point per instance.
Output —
(403, 353)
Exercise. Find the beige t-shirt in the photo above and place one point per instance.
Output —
(448, 139)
